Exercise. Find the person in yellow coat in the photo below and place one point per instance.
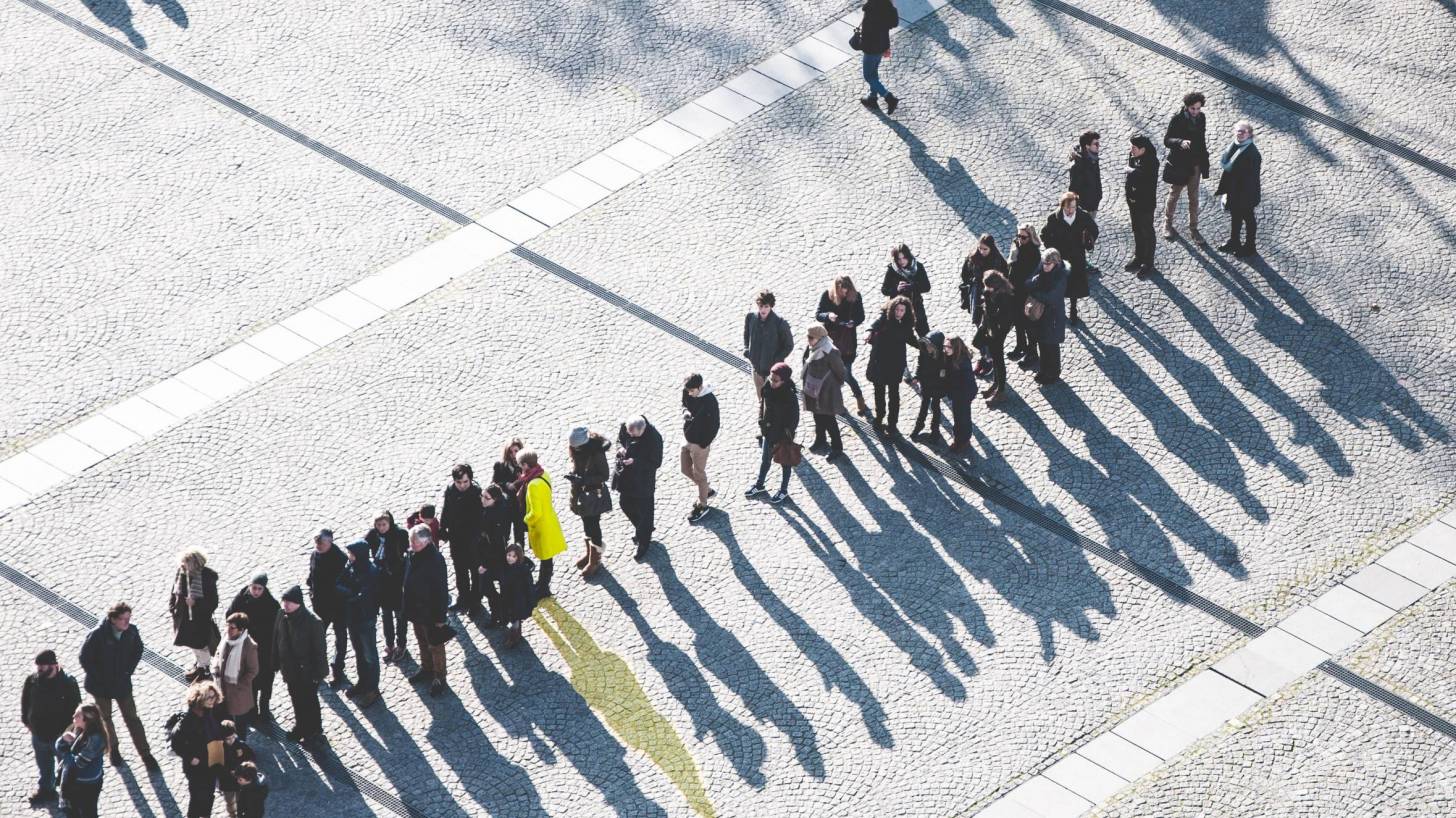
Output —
(543, 528)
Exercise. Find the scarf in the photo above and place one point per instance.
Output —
(527, 475)
(189, 584)
(1231, 153)
(232, 662)
(819, 350)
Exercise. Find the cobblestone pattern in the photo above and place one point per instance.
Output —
(1320, 748)
(1373, 70)
(807, 659)
(470, 103)
(147, 228)
(1415, 653)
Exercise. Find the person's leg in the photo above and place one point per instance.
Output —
(127, 705)
(920, 416)
(961, 414)
(879, 402)
(366, 655)
(437, 659)
(387, 614)
(85, 799)
(427, 657)
(543, 580)
(819, 431)
(341, 646)
(894, 396)
(1051, 362)
(852, 382)
(1251, 226)
(649, 517)
(936, 419)
(765, 458)
(998, 362)
(592, 526)
(784, 482)
(630, 509)
(263, 689)
(758, 382)
(201, 657)
(1193, 203)
(1170, 209)
(462, 578)
(835, 444)
(685, 462)
(871, 69)
(492, 598)
(200, 789)
(45, 764)
(698, 464)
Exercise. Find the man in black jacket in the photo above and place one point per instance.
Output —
(1239, 183)
(298, 648)
(425, 596)
(1141, 189)
(460, 526)
(766, 338)
(324, 566)
(639, 456)
(1084, 171)
(700, 427)
(48, 700)
(109, 656)
(1187, 144)
(258, 603)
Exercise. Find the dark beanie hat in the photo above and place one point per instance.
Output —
(46, 657)
(783, 370)
(294, 595)
(1141, 141)
(261, 578)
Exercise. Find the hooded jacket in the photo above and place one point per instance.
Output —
(358, 585)
(700, 417)
(645, 452)
(110, 661)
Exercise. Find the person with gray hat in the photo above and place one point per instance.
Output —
(258, 603)
(48, 700)
(590, 498)
(298, 647)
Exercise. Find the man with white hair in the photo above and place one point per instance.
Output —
(639, 455)
(1239, 185)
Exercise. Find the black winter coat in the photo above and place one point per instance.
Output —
(518, 593)
(189, 736)
(1072, 240)
(879, 17)
(495, 532)
(109, 662)
(1183, 162)
(931, 371)
(358, 587)
(973, 280)
(700, 418)
(197, 630)
(645, 452)
(262, 618)
(48, 704)
(298, 647)
(426, 593)
(766, 341)
(323, 577)
(1141, 184)
(504, 475)
(1023, 266)
(889, 340)
(960, 382)
(778, 412)
(1085, 178)
(844, 329)
(589, 468)
(388, 550)
(1241, 181)
(919, 284)
(460, 521)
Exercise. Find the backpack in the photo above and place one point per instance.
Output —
(176, 738)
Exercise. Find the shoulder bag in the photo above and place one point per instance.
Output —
(788, 453)
(856, 40)
(1034, 309)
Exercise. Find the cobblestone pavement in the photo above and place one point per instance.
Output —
(889, 643)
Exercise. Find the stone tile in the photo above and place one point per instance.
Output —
(1386, 587)
(1420, 567)
(176, 397)
(11, 495)
(1006, 808)
(512, 224)
(1270, 661)
(249, 362)
(315, 326)
(140, 416)
(1049, 799)
(282, 344)
(544, 207)
(576, 189)
(638, 155)
(1162, 738)
(730, 104)
(1353, 608)
(1439, 539)
(29, 473)
(1119, 755)
(391, 289)
(608, 172)
(699, 121)
(1088, 780)
(212, 380)
(787, 71)
(349, 308)
(759, 87)
(66, 453)
(1320, 629)
(816, 53)
(103, 434)
(837, 35)
(669, 138)
(1203, 703)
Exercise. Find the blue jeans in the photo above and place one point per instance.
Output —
(768, 461)
(45, 761)
(341, 644)
(366, 654)
(872, 76)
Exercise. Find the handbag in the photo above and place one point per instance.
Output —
(788, 453)
(592, 502)
(856, 40)
(813, 385)
(1034, 309)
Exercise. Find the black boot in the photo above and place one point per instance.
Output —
(891, 103)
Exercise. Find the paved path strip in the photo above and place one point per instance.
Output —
(1303, 641)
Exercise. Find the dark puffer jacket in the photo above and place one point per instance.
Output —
(262, 614)
(645, 452)
(109, 661)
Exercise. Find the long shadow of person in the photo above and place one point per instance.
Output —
(172, 9)
(117, 14)
(954, 185)
(138, 795)
(724, 656)
(739, 743)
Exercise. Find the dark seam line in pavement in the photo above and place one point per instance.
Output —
(327, 761)
(261, 118)
(995, 496)
(1250, 87)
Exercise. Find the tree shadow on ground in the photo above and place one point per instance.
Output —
(723, 655)
(738, 742)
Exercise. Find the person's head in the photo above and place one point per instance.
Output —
(292, 599)
(1025, 235)
(462, 475)
(765, 303)
(119, 616)
(1050, 258)
(578, 437)
(324, 540)
(899, 309)
(985, 244)
(997, 282)
(46, 663)
(842, 290)
(203, 695)
(192, 560)
(87, 721)
(246, 773)
(635, 425)
(693, 385)
(1243, 131)
(420, 537)
(511, 449)
(955, 349)
(259, 585)
(1193, 102)
(383, 522)
(815, 334)
(427, 511)
(1090, 142)
(492, 494)
(1140, 143)
(780, 374)
(933, 342)
(229, 730)
(237, 623)
(357, 552)
(1068, 203)
(513, 554)
(901, 255)
(528, 458)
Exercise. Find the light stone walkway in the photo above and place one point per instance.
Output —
(889, 643)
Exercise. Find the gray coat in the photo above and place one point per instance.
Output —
(1050, 288)
(766, 341)
(831, 369)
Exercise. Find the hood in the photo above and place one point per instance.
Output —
(706, 390)
(937, 338)
(360, 550)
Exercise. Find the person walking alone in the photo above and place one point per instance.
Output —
(1141, 189)
(590, 498)
(543, 527)
(1071, 230)
(460, 526)
(426, 597)
(359, 593)
(194, 600)
(766, 338)
(824, 374)
(79, 750)
(109, 656)
(1239, 185)
(890, 336)
(841, 311)
(639, 456)
(1187, 142)
(874, 40)
(48, 701)
(257, 602)
(324, 566)
(778, 419)
(700, 429)
(298, 648)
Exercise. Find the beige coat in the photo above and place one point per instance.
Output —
(237, 697)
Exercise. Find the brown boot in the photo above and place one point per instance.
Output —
(585, 557)
(594, 563)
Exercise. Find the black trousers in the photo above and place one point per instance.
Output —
(640, 511)
(827, 426)
(961, 412)
(929, 406)
(543, 577)
(263, 688)
(467, 580)
(894, 390)
(201, 787)
(395, 628)
(1144, 236)
(592, 526)
(307, 719)
(1243, 217)
(492, 596)
(996, 350)
(1051, 360)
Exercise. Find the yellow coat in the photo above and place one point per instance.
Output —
(543, 529)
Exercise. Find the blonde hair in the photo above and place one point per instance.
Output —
(843, 283)
(1069, 196)
(193, 559)
(196, 695)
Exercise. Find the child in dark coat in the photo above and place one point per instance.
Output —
(518, 595)
(252, 790)
(930, 374)
(497, 515)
